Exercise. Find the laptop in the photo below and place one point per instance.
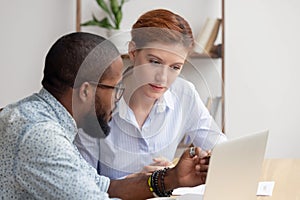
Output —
(234, 169)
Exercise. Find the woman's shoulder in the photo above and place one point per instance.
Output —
(182, 85)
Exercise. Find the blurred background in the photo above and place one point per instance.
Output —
(260, 63)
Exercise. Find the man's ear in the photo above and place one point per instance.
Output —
(85, 92)
(131, 50)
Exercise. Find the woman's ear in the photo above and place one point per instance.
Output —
(131, 50)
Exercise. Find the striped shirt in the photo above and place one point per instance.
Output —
(177, 114)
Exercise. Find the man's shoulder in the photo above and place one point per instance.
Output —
(28, 112)
(34, 108)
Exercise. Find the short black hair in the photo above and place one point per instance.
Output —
(75, 58)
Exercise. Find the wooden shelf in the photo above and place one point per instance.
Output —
(216, 52)
(125, 56)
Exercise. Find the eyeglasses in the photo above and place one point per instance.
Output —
(119, 88)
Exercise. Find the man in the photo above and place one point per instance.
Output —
(81, 84)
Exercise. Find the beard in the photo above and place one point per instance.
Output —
(96, 122)
(96, 126)
(104, 126)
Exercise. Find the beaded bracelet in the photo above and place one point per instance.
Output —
(156, 189)
(162, 181)
(149, 184)
(166, 193)
(153, 184)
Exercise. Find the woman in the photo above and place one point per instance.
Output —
(158, 108)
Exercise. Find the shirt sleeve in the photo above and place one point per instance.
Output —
(50, 167)
(202, 130)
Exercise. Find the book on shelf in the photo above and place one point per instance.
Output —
(205, 40)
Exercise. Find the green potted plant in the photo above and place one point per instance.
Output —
(113, 9)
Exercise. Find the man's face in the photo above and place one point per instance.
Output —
(105, 100)
(104, 103)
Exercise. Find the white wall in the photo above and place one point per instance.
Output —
(262, 72)
(28, 29)
(261, 49)
(192, 10)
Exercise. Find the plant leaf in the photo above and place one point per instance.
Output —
(104, 23)
(93, 22)
(103, 5)
(114, 5)
(94, 18)
(121, 4)
(90, 23)
(119, 17)
(114, 14)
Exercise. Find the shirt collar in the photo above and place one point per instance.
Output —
(165, 101)
(162, 103)
(63, 117)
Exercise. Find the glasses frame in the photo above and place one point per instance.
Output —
(119, 88)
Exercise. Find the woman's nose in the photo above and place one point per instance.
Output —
(161, 74)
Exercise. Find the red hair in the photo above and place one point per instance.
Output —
(163, 26)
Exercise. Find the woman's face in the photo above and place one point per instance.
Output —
(156, 67)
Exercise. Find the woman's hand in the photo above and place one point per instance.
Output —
(158, 163)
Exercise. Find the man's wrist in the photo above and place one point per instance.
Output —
(162, 182)
(171, 179)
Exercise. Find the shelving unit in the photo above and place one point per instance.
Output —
(223, 65)
(216, 54)
(217, 63)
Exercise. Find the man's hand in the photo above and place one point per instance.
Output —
(192, 170)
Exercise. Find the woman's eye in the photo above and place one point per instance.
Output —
(176, 67)
(154, 62)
